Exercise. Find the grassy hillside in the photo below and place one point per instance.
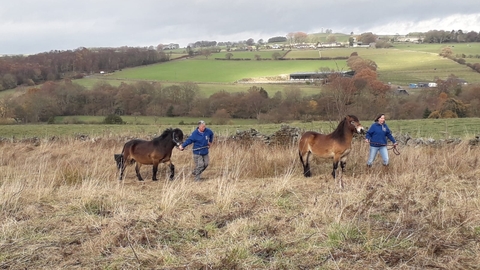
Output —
(63, 207)
(400, 65)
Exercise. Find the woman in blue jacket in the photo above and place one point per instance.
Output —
(377, 136)
(202, 139)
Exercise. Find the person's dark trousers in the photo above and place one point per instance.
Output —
(201, 163)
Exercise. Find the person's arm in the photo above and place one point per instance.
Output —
(368, 135)
(186, 143)
(210, 141)
(390, 136)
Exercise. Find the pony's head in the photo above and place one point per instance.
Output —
(177, 136)
(353, 120)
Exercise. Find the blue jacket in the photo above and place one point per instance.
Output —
(378, 134)
(200, 141)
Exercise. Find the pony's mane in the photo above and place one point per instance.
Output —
(165, 133)
(339, 132)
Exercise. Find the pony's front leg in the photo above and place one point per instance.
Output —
(172, 171)
(137, 171)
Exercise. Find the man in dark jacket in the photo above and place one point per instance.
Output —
(202, 139)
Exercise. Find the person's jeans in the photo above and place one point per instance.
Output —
(201, 163)
(373, 153)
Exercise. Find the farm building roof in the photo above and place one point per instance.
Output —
(317, 75)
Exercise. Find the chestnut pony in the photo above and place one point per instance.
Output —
(336, 145)
(154, 152)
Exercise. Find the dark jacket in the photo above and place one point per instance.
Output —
(377, 135)
(200, 141)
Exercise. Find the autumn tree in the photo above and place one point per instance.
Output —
(446, 52)
(367, 38)
(342, 91)
(331, 38)
(206, 52)
(300, 37)
(250, 42)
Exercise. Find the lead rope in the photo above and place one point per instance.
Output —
(393, 147)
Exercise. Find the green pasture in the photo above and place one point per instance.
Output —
(465, 128)
(207, 89)
(303, 54)
(7, 92)
(457, 48)
(264, 54)
(403, 66)
(196, 70)
(400, 65)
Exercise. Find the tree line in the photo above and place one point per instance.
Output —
(57, 65)
(362, 94)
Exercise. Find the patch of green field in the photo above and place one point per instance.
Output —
(303, 54)
(266, 54)
(403, 66)
(465, 128)
(219, 71)
(457, 48)
(6, 92)
(207, 89)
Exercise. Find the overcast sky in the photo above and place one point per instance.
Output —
(34, 26)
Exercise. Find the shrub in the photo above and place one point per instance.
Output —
(113, 119)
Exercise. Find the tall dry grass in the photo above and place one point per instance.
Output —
(61, 206)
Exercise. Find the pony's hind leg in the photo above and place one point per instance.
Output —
(172, 171)
(305, 164)
(137, 171)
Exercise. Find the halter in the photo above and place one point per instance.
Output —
(354, 125)
(174, 140)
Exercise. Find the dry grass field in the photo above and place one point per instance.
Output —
(62, 207)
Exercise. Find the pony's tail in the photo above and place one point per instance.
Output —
(119, 159)
(305, 164)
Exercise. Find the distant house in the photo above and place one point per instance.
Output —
(413, 39)
(171, 46)
(329, 45)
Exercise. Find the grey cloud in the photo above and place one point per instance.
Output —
(31, 26)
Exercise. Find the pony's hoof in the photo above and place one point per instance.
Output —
(154, 180)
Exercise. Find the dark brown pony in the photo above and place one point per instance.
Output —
(154, 152)
(336, 145)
